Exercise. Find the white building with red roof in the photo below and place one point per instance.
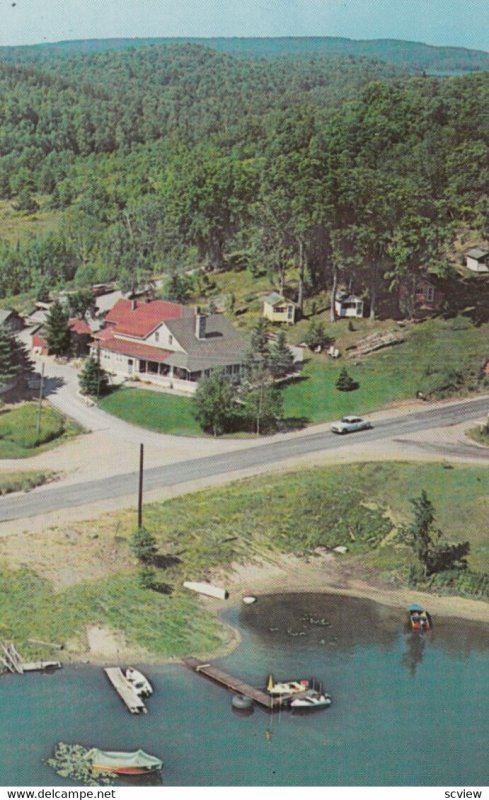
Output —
(167, 343)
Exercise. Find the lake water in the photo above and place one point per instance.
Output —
(407, 709)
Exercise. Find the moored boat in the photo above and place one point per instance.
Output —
(419, 619)
(286, 688)
(123, 763)
(139, 682)
(311, 699)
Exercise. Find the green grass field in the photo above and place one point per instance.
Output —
(21, 437)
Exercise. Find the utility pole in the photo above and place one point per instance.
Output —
(39, 409)
(140, 495)
(98, 372)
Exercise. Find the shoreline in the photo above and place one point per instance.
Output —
(285, 575)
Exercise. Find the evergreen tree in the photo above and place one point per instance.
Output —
(345, 382)
(316, 336)
(215, 403)
(424, 539)
(143, 545)
(281, 359)
(93, 379)
(147, 577)
(259, 343)
(9, 364)
(57, 332)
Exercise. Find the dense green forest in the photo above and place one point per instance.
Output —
(410, 55)
(171, 156)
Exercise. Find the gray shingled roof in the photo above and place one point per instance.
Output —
(477, 253)
(274, 298)
(222, 346)
(5, 314)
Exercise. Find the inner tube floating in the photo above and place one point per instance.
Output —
(241, 702)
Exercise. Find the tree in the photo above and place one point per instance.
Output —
(80, 302)
(259, 341)
(281, 358)
(424, 539)
(9, 364)
(178, 288)
(26, 202)
(215, 402)
(316, 336)
(57, 331)
(143, 545)
(93, 379)
(345, 382)
(147, 577)
(261, 398)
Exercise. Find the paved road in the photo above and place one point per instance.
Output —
(171, 475)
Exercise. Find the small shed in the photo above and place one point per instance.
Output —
(477, 259)
(277, 309)
(424, 296)
(348, 305)
(11, 320)
(80, 336)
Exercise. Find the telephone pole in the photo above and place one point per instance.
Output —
(140, 494)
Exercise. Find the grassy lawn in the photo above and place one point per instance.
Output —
(23, 481)
(167, 626)
(19, 436)
(359, 505)
(157, 411)
(423, 362)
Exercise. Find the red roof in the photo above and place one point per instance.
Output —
(135, 349)
(139, 319)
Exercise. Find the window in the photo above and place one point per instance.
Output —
(429, 293)
(157, 336)
(170, 339)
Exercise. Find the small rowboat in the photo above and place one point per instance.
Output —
(419, 619)
(122, 763)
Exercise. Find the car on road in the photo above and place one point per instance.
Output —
(351, 424)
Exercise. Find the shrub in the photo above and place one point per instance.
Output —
(345, 382)
(143, 545)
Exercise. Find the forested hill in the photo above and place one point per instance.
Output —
(168, 157)
(414, 56)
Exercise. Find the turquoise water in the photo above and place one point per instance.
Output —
(407, 710)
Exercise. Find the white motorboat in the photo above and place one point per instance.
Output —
(139, 682)
(311, 699)
(286, 688)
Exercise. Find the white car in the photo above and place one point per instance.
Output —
(351, 424)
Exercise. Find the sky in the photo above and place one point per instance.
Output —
(462, 23)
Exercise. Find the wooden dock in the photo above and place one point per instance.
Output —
(34, 666)
(234, 684)
(125, 690)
